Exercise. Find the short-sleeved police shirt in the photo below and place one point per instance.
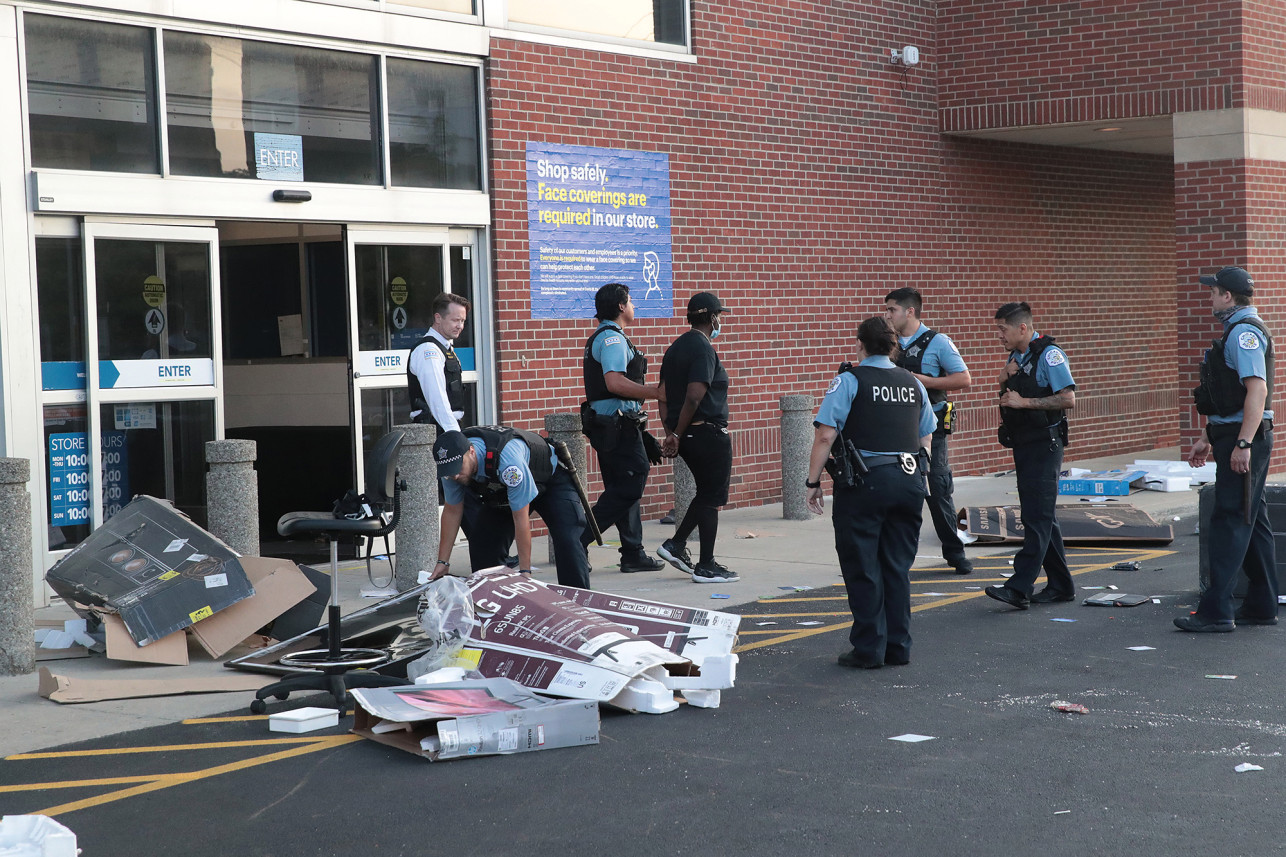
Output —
(613, 352)
(1244, 353)
(941, 357)
(1053, 371)
(514, 472)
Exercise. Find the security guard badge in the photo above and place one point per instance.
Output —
(907, 462)
(511, 476)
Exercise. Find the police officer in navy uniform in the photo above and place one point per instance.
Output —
(434, 377)
(883, 420)
(936, 363)
(1236, 393)
(1036, 391)
(492, 477)
(614, 421)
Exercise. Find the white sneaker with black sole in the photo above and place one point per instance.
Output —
(713, 572)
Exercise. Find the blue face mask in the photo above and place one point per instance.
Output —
(714, 334)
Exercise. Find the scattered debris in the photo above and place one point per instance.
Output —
(1062, 812)
(1113, 599)
(761, 624)
(1133, 565)
(298, 720)
(912, 738)
(719, 595)
(1246, 766)
(1228, 677)
(746, 535)
(1141, 648)
(811, 622)
(1062, 620)
(1069, 707)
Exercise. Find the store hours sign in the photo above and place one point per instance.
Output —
(597, 216)
(69, 477)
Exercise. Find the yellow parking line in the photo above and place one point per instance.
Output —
(164, 781)
(75, 784)
(122, 751)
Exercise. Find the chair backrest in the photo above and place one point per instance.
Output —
(381, 467)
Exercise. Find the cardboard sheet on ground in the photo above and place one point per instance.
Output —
(1080, 525)
(478, 717)
(155, 568)
(66, 689)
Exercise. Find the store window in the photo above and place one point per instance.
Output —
(462, 7)
(433, 122)
(156, 448)
(244, 109)
(153, 300)
(663, 21)
(60, 291)
(396, 286)
(91, 95)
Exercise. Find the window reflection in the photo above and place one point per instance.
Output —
(433, 125)
(91, 95)
(320, 105)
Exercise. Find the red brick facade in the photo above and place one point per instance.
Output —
(809, 177)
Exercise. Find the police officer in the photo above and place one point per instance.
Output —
(936, 363)
(434, 377)
(1036, 391)
(881, 416)
(615, 424)
(1236, 393)
(492, 477)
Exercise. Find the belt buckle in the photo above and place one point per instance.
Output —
(907, 462)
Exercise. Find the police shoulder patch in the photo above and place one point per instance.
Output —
(612, 340)
(1248, 340)
(1054, 357)
(512, 476)
(834, 385)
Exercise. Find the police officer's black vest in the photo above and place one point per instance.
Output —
(1221, 391)
(494, 492)
(595, 384)
(885, 414)
(1025, 424)
(911, 359)
(453, 372)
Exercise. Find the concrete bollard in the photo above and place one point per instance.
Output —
(567, 428)
(685, 488)
(17, 614)
(232, 494)
(796, 448)
(418, 530)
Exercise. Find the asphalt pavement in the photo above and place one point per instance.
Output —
(800, 755)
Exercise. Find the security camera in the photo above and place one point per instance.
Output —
(908, 56)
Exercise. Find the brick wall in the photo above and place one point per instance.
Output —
(1227, 213)
(808, 178)
(1005, 63)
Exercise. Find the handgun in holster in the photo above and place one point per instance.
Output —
(846, 467)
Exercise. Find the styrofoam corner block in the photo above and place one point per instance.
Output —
(303, 720)
(702, 698)
(718, 672)
(35, 836)
(646, 696)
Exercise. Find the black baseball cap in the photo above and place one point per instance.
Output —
(705, 302)
(449, 451)
(1232, 279)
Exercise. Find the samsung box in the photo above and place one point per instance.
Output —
(154, 568)
(474, 717)
(1109, 483)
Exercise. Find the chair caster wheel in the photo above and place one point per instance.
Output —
(282, 695)
(258, 706)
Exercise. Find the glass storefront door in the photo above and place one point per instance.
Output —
(130, 358)
(395, 275)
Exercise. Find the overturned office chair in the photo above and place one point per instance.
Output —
(332, 668)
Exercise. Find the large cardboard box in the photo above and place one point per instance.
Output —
(154, 568)
(478, 717)
(279, 585)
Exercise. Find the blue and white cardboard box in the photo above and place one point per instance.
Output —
(1109, 483)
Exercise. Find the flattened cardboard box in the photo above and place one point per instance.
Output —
(1079, 524)
(154, 568)
(479, 717)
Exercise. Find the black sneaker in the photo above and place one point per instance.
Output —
(642, 562)
(712, 572)
(675, 556)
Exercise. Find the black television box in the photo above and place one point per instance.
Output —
(155, 568)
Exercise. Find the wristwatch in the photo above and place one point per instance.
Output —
(1242, 443)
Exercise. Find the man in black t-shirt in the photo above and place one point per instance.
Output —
(695, 414)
